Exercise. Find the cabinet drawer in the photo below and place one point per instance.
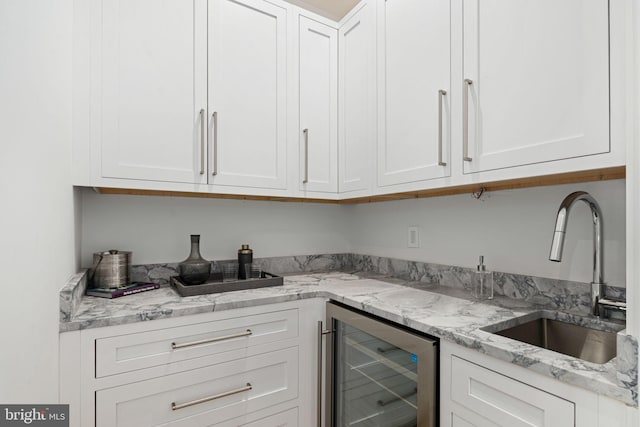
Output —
(505, 401)
(283, 419)
(273, 378)
(130, 352)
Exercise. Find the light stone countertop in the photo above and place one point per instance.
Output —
(444, 312)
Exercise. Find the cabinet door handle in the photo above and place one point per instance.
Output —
(306, 156)
(465, 121)
(202, 119)
(175, 406)
(441, 94)
(214, 116)
(210, 340)
(321, 332)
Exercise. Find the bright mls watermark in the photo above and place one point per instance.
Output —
(34, 415)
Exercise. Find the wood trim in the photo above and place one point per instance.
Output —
(509, 184)
(105, 190)
(604, 174)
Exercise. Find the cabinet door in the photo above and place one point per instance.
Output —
(152, 88)
(542, 92)
(355, 100)
(504, 401)
(318, 106)
(414, 69)
(247, 93)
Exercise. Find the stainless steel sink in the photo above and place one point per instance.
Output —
(588, 344)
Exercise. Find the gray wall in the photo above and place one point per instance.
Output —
(157, 229)
(512, 229)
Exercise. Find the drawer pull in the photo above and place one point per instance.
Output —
(465, 121)
(214, 159)
(175, 406)
(441, 94)
(210, 340)
(306, 156)
(202, 132)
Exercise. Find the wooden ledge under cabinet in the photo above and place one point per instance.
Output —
(604, 174)
(135, 192)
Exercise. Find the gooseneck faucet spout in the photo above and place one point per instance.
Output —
(557, 244)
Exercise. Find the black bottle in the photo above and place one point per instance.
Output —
(245, 256)
(195, 269)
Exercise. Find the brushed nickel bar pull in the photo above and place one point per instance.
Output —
(215, 143)
(306, 156)
(321, 332)
(465, 121)
(175, 406)
(202, 141)
(210, 340)
(441, 94)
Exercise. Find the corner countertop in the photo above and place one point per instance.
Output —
(444, 312)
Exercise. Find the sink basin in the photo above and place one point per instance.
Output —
(592, 345)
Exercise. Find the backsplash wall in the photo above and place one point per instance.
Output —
(512, 229)
(157, 229)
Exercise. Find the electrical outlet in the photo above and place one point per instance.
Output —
(413, 236)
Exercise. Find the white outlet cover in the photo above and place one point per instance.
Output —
(413, 236)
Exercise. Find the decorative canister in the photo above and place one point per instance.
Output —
(111, 269)
(245, 256)
(195, 269)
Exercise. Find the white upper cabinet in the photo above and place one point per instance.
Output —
(356, 100)
(318, 65)
(261, 98)
(149, 87)
(537, 81)
(247, 94)
(414, 72)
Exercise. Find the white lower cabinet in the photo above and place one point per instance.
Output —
(480, 391)
(504, 400)
(196, 397)
(246, 367)
(225, 377)
(283, 419)
(124, 353)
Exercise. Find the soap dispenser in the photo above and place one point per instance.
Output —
(483, 281)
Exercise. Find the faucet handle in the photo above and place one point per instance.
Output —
(613, 304)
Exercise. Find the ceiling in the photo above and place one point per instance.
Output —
(333, 9)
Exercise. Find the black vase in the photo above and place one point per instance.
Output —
(195, 269)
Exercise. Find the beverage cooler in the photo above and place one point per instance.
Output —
(377, 374)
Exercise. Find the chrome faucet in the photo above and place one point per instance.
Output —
(598, 300)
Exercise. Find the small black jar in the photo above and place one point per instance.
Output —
(245, 256)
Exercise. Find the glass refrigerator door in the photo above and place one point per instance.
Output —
(375, 382)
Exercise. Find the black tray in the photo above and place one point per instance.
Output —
(215, 284)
